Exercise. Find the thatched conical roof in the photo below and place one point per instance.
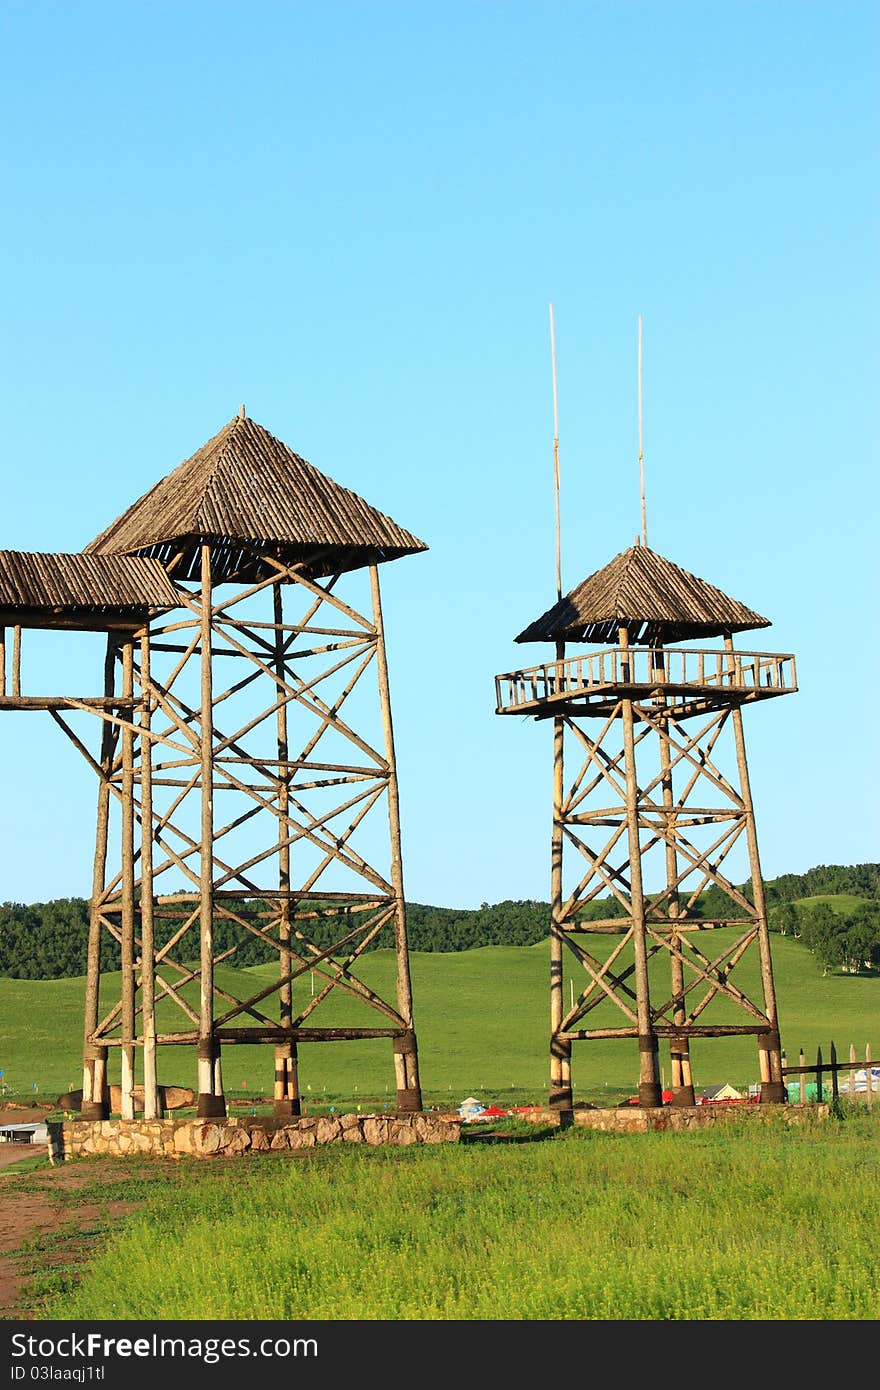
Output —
(656, 600)
(246, 491)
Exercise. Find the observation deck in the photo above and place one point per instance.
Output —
(680, 681)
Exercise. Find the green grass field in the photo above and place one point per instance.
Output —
(744, 1221)
(482, 1024)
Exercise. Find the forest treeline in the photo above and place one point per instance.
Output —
(48, 940)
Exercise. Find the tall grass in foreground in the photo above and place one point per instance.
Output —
(744, 1221)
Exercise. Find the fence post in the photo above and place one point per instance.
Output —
(819, 1076)
(852, 1072)
(869, 1076)
(835, 1089)
(803, 1077)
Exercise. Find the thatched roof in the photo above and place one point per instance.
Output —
(244, 491)
(656, 600)
(92, 591)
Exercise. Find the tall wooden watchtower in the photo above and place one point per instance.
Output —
(248, 797)
(650, 796)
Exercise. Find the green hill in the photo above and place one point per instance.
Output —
(844, 903)
(482, 1023)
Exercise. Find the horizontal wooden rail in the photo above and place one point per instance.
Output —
(267, 1034)
(671, 1031)
(68, 702)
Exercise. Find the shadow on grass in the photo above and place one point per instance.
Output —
(513, 1132)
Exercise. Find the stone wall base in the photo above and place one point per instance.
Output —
(636, 1120)
(229, 1137)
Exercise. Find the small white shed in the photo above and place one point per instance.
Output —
(34, 1133)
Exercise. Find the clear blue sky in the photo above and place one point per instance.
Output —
(352, 217)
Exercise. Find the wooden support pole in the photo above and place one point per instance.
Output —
(561, 1094)
(217, 1075)
(803, 1081)
(210, 1101)
(286, 1092)
(152, 1104)
(650, 1087)
(16, 660)
(681, 1079)
(127, 1051)
(769, 1050)
(96, 1094)
(2, 660)
(409, 1091)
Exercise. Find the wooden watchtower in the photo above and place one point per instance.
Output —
(247, 780)
(650, 796)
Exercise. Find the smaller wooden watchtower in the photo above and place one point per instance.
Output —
(658, 800)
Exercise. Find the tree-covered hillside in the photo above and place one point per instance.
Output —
(833, 910)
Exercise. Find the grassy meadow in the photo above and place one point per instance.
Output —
(482, 1026)
(752, 1219)
(747, 1221)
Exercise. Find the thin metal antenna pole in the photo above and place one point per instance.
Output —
(556, 458)
(641, 450)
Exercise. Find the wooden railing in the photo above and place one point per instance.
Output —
(673, 668)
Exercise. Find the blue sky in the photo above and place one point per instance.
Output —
(353, 218)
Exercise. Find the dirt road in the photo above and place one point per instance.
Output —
(35, 1203)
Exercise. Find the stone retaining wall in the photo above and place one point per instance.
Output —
(635, 1120)
(226, 1138)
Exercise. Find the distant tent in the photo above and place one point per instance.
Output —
(811, 1091)
(470, 1108)
(725, 1092)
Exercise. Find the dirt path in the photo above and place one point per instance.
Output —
(21, 1216)
(15, 1153)
(35, 1204)
(29, 1213)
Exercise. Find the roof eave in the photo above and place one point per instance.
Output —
(669, 630)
